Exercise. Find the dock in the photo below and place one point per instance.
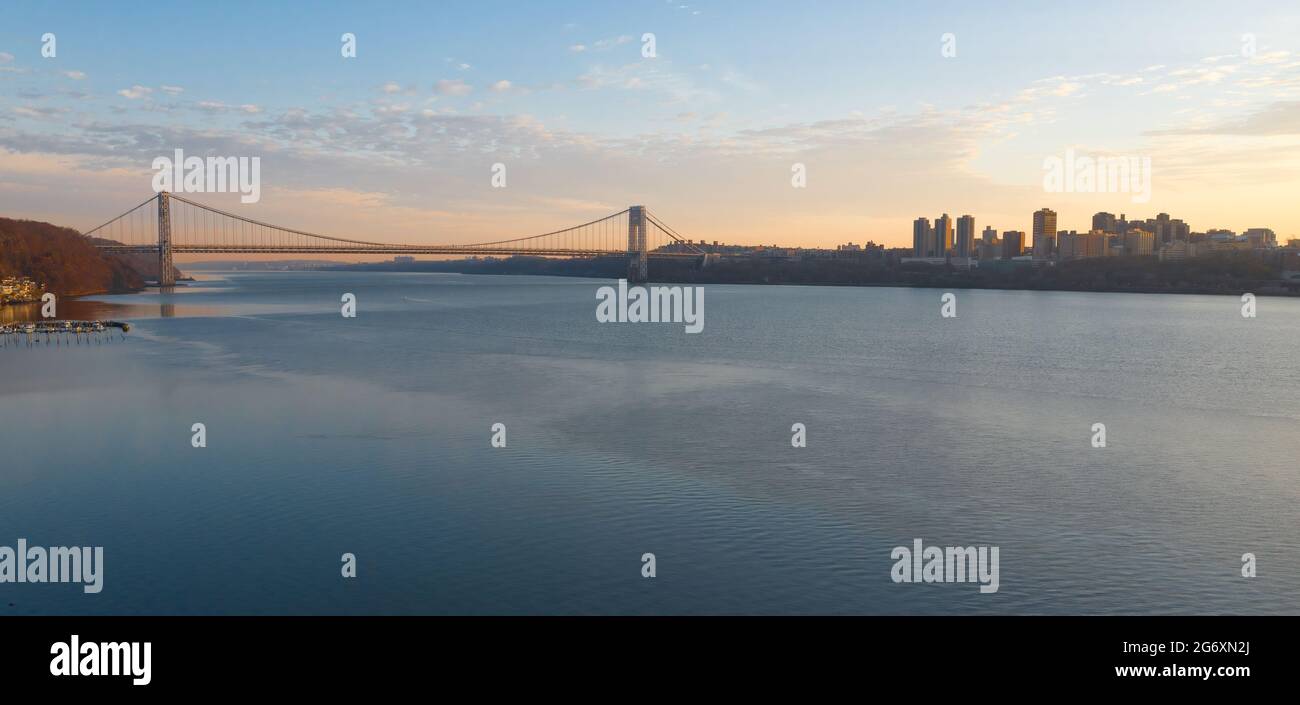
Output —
(61, 332)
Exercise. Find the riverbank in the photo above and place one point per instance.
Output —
(1225, 274)
(67, 264)
(63, 261)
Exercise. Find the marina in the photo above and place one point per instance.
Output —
(62, 333)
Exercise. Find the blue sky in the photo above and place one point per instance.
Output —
(705, 131)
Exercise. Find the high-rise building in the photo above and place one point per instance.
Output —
(990, 235)
(1161, 228)
(966, 236)
(1139, 242)
(942, 236)
(1067, 245)
(1177, 251)
(1104, 222)
(1044, 232)
(922, 237)
(1179, 231)
(1260, 237)
(1013, 243)
(1096, 244)
(1078, 246)
(989, 249)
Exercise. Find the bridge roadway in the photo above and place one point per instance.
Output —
(395, 250)
(597, 238)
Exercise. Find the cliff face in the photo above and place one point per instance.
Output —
(61, 258)
(145, 265)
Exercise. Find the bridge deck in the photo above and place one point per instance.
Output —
(395, 250)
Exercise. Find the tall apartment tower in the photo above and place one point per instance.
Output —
(1179, 230)
(922, 236)
(1162, 227)
(942, 241)
(966, 236)
(1044, 232)
(1013, 242)
(990, 235)
(1105, 222)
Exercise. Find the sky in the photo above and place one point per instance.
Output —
(893, 110)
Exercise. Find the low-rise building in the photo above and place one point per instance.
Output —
(20, 290)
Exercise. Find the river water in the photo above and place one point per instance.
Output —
(371, 435)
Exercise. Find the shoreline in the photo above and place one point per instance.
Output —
(69, 297)
(1273, 289)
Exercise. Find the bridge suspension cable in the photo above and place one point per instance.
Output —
(168, 223)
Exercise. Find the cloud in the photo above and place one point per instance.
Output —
(337, 197)
(172, 90)
(453, 87)
(1057, 86)
(6, 57)
(392, 87)
(734, 78)
(37, 111)
(611, 42)
(600, 44)
(1280, 118)
(1271, 57)
(1066, 89)
(74, 75)
(393, 165)
(135, 92)
(654, 76)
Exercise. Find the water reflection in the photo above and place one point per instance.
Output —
(90, 310)
(20, 313)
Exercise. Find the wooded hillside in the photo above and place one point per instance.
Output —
(62, 259)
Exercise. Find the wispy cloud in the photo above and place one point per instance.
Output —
(453, 87)
(135, 92)
(1281, 118)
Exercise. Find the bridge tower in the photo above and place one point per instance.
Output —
(638, 263)
(166, 276)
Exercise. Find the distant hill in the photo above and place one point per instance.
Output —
(278, 265)
(1230, 273)
(145, 265)
(65, 261)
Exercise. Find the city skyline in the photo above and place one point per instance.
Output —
(398, 144)
(1048, 237)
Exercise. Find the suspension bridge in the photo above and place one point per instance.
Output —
(167, 224)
